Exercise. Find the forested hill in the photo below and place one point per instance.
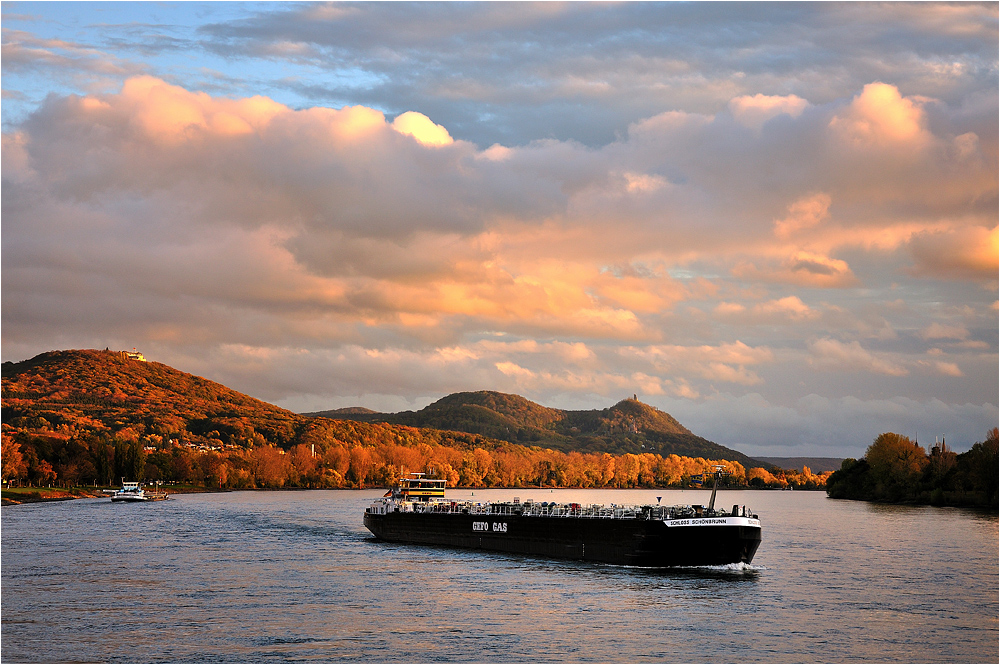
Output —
(816, 464)
(82, 394)
(95, 417)
(105, 390)
(64, 412)
(627, 427)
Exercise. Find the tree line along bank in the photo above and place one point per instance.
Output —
(343, 454)
(898, 470)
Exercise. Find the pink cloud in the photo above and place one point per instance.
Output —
(962, 253)
(948, 369)
(881, 117)
(805, 213)
(802, 268)
(194, 222)
(753, 111)
(830, 354)
(937, 330)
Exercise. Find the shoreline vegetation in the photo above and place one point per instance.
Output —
(15, 496)
(897, 470)
(368, 456)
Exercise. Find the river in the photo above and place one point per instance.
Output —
(295, 576)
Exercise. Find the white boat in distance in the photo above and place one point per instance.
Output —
(132, 492)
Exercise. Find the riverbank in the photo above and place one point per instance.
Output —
(19, 495)
(14, 496)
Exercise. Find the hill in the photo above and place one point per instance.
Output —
(815, 464)
(87, 415)
(88, 393)
(95, 417)
(106, 390)
(629, 426)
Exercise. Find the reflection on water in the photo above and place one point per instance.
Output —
(279, 576)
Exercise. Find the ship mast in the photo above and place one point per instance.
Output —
(715, 487)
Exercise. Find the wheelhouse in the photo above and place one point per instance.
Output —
(416, 487)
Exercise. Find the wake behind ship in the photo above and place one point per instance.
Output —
(417, 512)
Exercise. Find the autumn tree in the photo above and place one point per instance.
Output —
(183, 465)
(336, 462)
(305, 465)
(475, 467)
(269, 466)
(11, 459)
(626, 470)
(896, 469)
(41, 473)
(758, 477)
(607, 469)
(896, 463)
(360, 465)
(216, 469)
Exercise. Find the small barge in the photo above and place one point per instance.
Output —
(416, 512)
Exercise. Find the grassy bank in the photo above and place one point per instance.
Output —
(17, 495)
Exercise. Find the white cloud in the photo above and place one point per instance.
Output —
(422, 128)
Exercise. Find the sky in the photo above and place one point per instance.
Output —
(776, 222)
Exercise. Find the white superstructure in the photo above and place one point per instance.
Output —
(129, 492)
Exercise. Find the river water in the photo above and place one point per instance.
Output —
(295, 576)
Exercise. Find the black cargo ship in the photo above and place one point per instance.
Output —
(417, 512)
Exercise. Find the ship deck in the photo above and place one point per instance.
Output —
(553, 509)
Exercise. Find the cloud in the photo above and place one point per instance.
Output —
(787, 309)
(621, 62)
(27, 53)
(880, 117)
(421, 128)
(726, 363)
(754, 111)
(171, 113)
(948, 369)
(318, 255)
(938, 330)
(958, 253)
(829, 427)
(830, 354)
(805, 213)
(801, 268)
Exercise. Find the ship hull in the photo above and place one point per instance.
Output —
(128, 498)
(630, 542)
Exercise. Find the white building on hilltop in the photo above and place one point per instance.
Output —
(134, 355)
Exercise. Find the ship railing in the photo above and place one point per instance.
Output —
(593, 511)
